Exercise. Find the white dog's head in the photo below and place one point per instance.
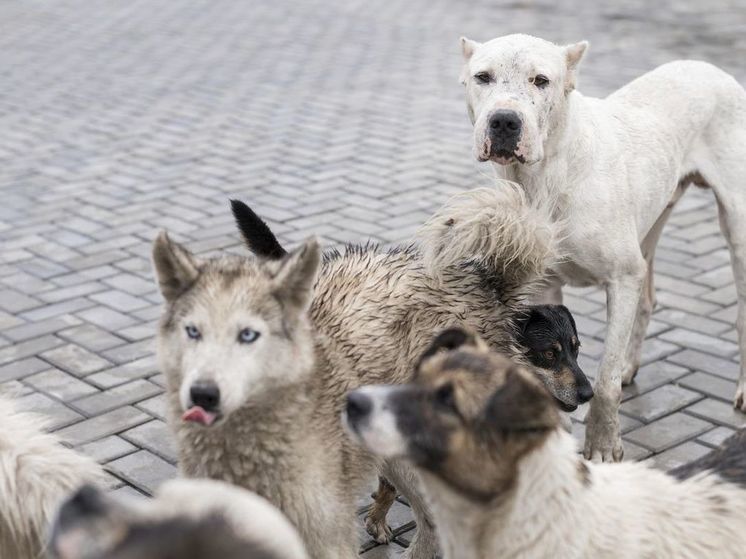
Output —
(516, 88)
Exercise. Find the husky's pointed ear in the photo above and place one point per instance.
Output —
(467, 50)
(450, 340)
(521, 403)
(175, 267)
(573, 56)
(293, 282)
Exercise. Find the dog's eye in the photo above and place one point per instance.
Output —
(483, 77)
(540, 80)
(444, 396)
(548, 355)
(193, 332)
(247, 336)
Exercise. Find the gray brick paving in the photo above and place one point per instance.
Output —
(343, 120)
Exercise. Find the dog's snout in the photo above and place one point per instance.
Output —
(505, 122)
(359, 405)
(205, 395)
(585, 392)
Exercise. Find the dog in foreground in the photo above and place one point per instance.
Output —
(505, 480)
(259, 354)
(36, 474)
(612, 170)
(187, 519)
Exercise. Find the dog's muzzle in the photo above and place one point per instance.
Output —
(504, 132)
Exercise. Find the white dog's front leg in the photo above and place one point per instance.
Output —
(603, 440)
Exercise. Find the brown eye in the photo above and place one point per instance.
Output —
(444, 396)
(548, 355)
(540, 80)
(483, 77)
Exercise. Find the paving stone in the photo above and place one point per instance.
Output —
(144, 470)
(107, 449)
(14, 301)
(121, 395)
(91, 337)
(659, 402)
(155, 406)
(57, 414)
(76, 360)
(668, 431)
(716, 437)
(102, 426)
(156, 437)
(35, 329)
(710, 385)
(701, 342)
(718, 412)
(60, 385)
(679, 455)
(708, 363)
(140, 368)
(652, 376)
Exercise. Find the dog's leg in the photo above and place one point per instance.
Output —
(375, 520)
(646, 304)
(603, 441)
(424, 544)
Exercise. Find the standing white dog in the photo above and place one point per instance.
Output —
(612, 169)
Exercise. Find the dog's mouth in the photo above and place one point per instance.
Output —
(200, 416)
(504, 157)
(565, 406)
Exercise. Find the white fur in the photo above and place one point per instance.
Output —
(611, 170)
(627, 510)
(380, 433)
(36, 473)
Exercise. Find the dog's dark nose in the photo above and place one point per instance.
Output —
(86, 500)
(505, 123)
(358, 405)
(205, 395)
(585, 393)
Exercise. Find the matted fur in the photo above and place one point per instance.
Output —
(370, 315)
(489, 222)
(36, 473)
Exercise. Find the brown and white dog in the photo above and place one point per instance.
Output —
(505, 480)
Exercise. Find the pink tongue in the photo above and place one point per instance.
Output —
(199, 415)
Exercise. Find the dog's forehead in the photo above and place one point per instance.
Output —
(519, 52)
(467, 367)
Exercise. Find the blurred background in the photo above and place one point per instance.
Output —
(341, 119)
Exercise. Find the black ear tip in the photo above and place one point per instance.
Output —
(237, 205)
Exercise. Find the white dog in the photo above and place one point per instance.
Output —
(612, 169)
(36, 473)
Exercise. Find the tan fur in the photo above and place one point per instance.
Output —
(36, 473)
(371, 315)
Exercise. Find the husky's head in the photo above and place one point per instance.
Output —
(467, 417)
(234, 329)
(188, 519)
(516, 89)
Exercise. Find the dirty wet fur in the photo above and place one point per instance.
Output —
(504, 479)
(327, 324)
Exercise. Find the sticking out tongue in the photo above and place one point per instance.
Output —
(199, 415)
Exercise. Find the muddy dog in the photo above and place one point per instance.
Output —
(259, 353)
(612, 169)
(36, 474)
(505, 480)
(187, 519)
(549, 339)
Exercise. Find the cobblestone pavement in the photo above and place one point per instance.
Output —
(342, 119)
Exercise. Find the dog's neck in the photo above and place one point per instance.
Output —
(525, 522)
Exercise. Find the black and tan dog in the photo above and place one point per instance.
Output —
(504, 479)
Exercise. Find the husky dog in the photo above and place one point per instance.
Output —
(549, 339)
(259, 354)
(612, 169)
(188, 519)
(505, 480)
(36, 473)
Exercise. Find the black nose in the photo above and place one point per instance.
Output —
(358, 405)
(505, 123)
(585, 392)
(85, 501)
(205, 395)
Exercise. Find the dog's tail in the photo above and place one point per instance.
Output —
(256, 233)
(496, 227)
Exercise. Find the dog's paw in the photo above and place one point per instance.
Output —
(739, 402)
(603, 440)
(379, 530)
(628, 377)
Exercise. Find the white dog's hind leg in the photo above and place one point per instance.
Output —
(603, 440)
(552, 295)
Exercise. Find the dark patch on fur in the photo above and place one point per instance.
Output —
(447, 340)
(728, 462)
(256, 233)
(584, 473)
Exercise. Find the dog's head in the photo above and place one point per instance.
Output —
(233, 328)
(550, 341)
(467, 418)
(184, 521)
(516, 88)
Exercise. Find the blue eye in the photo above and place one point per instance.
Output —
(193, 332)
(247, 336)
